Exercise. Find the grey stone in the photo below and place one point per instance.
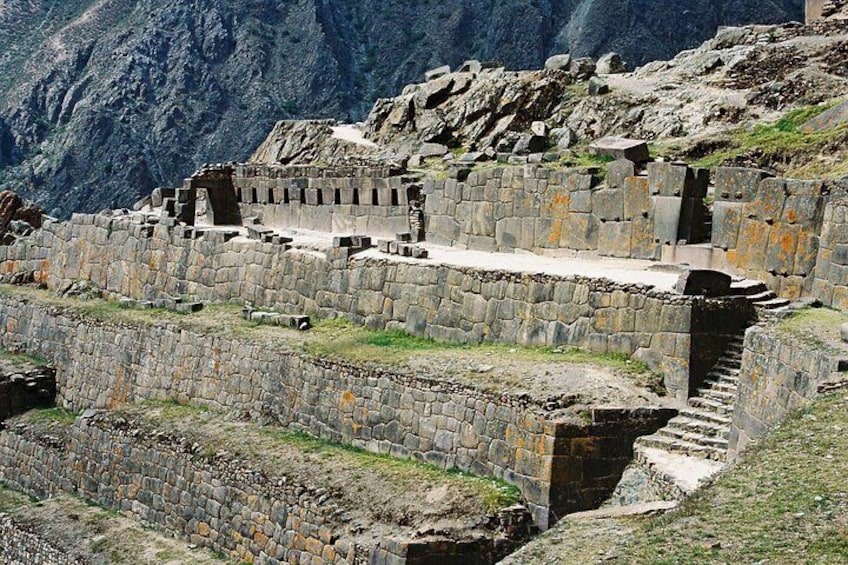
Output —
(611, 64)
(561, 62)
(702, 282)
(621, 148)
(433, 150)
(438, 72)
(470, 66)
(583, 68)
(598, 87)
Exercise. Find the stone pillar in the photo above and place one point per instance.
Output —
(814, 10)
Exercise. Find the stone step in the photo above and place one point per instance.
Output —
(684, 474)
(726, 398)
(694, 438)
(772, 304)
(723, 379)
(710, 404)
(722, 386)
(747, 288)
(695, 413)
(699, 426)
(681, 446)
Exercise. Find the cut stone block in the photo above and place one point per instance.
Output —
(634, 150)
(702, 282)
(736, 184)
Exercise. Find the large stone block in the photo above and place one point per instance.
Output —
(634, 150)
(752, 245)
(672, 179)
(614, 239)
(618, 171)
(702, 282)
(768, 206)
(667, 211)
(727, 219)
(736, 184)
(637, 198)
(642, 244)
(580, 232)
(608, 205)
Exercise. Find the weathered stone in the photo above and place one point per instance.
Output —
(560, 62)
(610, 64)
(438, 72)
(621, 148)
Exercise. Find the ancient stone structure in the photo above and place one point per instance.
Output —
(21, 546)
(559, 464)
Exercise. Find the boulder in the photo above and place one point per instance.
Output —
(530, 143)
(438, 72)
(432, 150)
(598, 87)
(611, 64)
(564, 138)
(583, 68)
(470, 66)
(560, 62)
(539, 128)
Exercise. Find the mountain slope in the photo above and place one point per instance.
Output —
(105, 99)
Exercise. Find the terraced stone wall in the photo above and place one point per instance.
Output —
(22, 546)
(780, 374)
(372, 200)
(558, 464)
(215, 501)
(448, 303)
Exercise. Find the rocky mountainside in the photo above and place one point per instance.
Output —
(105, 99)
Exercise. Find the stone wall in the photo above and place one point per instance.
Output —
(216, 501)
(20, 545)
(769, 227)
(372, 200)
(442, 302)
(780, 374)
(830, 284)
(560, 465)
(538, 208)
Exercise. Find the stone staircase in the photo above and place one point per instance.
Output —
(760, 296)
(693, 445)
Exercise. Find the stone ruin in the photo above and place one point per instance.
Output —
(508, 247)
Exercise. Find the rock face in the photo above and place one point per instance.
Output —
(105, 100)
(469, 110)
(17, 217)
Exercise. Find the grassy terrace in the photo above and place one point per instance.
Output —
(785, 501)
(781, 145)
(495, 367)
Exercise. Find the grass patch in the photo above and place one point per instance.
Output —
(785, 502)
(23, 359)
(174, 409)
(783, 142)
(816, 327)
(494, 493)
(52, 416)
(11, 499)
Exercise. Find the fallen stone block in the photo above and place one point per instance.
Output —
(634, 150)
(405, 237)
(470, 66)
(598, 87)
(611, 64)
(420, 253)
(383, 245)
(258, 232)
(361, 241)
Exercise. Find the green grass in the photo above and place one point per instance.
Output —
(23, 359)
(52, 415)
(785, 502)
(494, 493)
(816, 327)
(340, 339)
(781, 141)
(11, 499)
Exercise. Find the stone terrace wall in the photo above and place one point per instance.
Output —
(217, 502)
(537, 208)
(830, 284)
(780, 374)
(558, 466)
(21, 546)
(769, 227)
(439, 302)
(372, 200)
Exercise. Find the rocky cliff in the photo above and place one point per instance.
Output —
(105, 99)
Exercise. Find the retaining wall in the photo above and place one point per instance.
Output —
(20, 545)
(436, 301)
(780, 374)
(830, 284)
(215, 501)
(559, 465)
